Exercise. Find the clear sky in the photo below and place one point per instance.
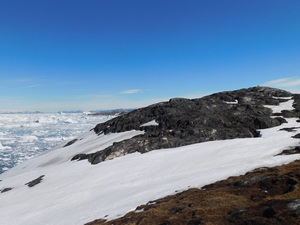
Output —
(105, 54)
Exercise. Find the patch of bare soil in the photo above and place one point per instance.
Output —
(261, 197)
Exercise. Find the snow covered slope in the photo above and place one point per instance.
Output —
(25, 135)
(51, 189)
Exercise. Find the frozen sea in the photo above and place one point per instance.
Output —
(23, 136)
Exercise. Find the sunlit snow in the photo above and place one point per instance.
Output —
(76, 192)
(288, 105)
(151, 123)
(232, 103)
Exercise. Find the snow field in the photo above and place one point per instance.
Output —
(76, 192)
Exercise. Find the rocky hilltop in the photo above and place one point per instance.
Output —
(179, 122)
(184, 181)
(261, 197)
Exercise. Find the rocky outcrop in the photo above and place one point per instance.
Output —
(224, 115)
(35, 181)
(264, 196)
(291, 151)
(70, 143)
(5, 190)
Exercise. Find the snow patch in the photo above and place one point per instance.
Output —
(288, 105)
(151, 123)
(232, 103)
(139, 210)
(284, 98)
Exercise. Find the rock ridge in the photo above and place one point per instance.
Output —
(180, 121)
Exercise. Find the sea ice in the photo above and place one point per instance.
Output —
(23, 136)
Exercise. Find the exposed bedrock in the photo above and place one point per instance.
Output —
(224, 115)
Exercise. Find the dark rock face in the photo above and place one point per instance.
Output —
(35, 181)
(70, 142)
(297, 135)
(224, 115)
(290, 129)
(296, 105)
(5, 190)
(293, 150)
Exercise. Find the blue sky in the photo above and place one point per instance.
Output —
(100, 54)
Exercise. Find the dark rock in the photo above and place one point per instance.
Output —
(166, 223)
(266, 185)
(35, 181)
(79, 157)
(175, 210)
(6, 190)
(296, 136)
(290, 114)
(189, 121)
(251, 180)
(277, 185)
(294, 150)
(269, 213)
(197, 221)
(290, 129)
(70, 143)
(258, 197)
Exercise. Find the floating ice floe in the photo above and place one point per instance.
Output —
(4, 147)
